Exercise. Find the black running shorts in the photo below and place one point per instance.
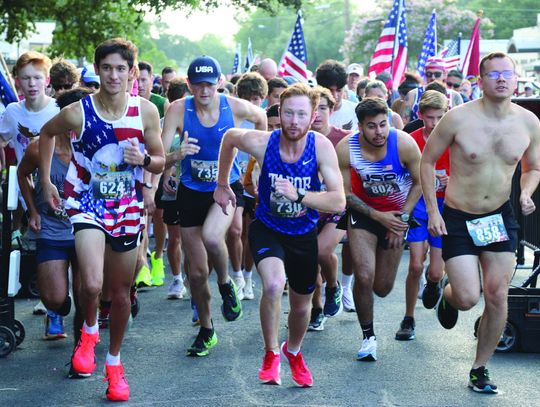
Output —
(118, 244)
(298, 252)
(458, 242)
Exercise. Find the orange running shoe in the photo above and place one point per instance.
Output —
(118, 389)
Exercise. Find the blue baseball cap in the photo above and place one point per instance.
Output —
(204, 69)
(88, 75)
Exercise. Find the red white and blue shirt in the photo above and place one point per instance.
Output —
(100, 188)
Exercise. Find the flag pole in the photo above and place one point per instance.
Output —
(396, 36)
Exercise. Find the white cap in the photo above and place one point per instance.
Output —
(528, 85)
(355, 68)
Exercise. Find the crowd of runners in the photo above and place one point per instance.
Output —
(259, 171)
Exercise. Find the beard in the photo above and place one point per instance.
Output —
(295, 134)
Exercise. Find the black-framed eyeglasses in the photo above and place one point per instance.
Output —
(434, 74)
(453, 85)
(494, 75)
(66, 86)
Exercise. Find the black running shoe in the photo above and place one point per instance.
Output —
(333, 304)
(316, 322)
(480, 382)
(406, 330)
(431, 294)
(231, 308)
(134, 298)
(447, 314)
(206, 340)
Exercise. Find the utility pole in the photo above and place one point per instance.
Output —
(347, 14)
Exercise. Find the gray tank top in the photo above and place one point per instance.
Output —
(54, 224)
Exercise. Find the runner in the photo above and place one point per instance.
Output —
(283, 237)
(477, 223)
(328, 236)
(433, 106)
(380, 173)
(202, 119)
(377, 89)
(104, 197)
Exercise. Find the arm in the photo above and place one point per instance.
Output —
(410, 156)
(397, 122)
(69, 118)
(530, 169)
(251, 141)
(439, 140)
(172, 124)
(244, 110)
(26, 167)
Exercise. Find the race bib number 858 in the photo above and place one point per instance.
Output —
(487, 230)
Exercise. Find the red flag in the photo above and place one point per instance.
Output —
(471, 63)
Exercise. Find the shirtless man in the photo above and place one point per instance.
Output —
(477, 223)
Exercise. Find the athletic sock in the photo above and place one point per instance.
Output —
(91, 329)
(112, 360)
(247, 274)
(237, 274)
(178, 277)
(367, 330)
(346, 280)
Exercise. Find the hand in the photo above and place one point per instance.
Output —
(395, 240)
(188, 146)
(284, 187)
(223, 195)
(167, 186)
(391, 220)
(132, 153)
(436, 225)
(527, 204)
(149, 203)
(34, 222)
(442, 180)
(51, 195)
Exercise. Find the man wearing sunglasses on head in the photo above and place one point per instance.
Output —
(435, 71)
(487, 138)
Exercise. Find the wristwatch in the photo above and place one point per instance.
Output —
(148, 185)
(147, 160)
(405, 217)
(301, 194)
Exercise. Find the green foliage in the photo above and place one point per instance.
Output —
(507, 15)
(324, 29)
(361, 39)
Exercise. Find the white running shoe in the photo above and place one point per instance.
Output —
(176, 290)
(240, 284)
(39, 309)
(368, 351)
(348, 300)
(422, 282)
(248, 289)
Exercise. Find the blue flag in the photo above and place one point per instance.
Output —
(6, 92)
(429, 47)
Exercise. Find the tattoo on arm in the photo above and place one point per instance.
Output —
(356, 204)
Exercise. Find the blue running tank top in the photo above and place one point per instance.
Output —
(275, 211)
(199, 171)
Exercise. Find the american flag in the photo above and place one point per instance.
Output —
(391, 52)
(249, 57)
(429, 47)
(6, 91)
(452, 54)
(294, 60)
(472, 60)
(236, 62)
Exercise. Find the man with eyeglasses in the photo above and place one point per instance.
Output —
(435, 71)
(487, 138)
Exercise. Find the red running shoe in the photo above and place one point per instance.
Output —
(300, 372)
(118, 389)
(83, 360)
(269, 372)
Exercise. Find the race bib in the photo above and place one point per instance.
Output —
(112, 185)
(487, 230)
(204, 171)
(283, 207)
(59, 213)
(174, 185)
(380, 188)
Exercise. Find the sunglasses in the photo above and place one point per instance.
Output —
(433, 74)
(67, 86)
(494, 75)
(453, 85)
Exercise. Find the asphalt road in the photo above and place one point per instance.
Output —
(431, 370)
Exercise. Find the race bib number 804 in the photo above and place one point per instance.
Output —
(487, 230)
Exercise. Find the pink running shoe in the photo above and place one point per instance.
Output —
(118, 389)
(83, 360)
(300, 372)
(269, 372)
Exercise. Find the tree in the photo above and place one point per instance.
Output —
(84, 23)
(324, 27)
(361, 39)
(507, 15)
